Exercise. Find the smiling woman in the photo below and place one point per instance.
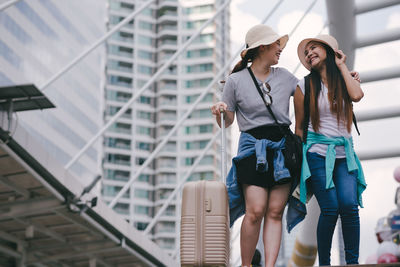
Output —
(331, 168)
(259, 177)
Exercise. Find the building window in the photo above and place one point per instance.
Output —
(195, 24)
(144, 40)
(199, 68)
(189, 161)
(141, 193)
(118, 143)
(118, 159)
(140, 161)
(143, 146)
(142, 210)
(200, 83)
(195, 145)
(119, 127)
(199, 53)
(146, 25)
(112, 191)
(120, 81)
(145, 55)
(198, 9)
(120, 50)
(141, 225)
(144, 115)
(143, 130)
(144, 178)
(145, 100)
(122, 208)
(145, 69)
(117, 175)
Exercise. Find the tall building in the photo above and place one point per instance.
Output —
(37, 39)
(134, 54)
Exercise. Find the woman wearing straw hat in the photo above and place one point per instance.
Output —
(258, 175)
(331, 169)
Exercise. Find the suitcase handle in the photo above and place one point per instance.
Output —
(223, 146)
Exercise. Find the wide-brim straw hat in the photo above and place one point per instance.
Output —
(322, 38)
(262, 35)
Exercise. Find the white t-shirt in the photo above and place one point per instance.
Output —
(242, 97)
(328, 123)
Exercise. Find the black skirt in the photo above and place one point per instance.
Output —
(246, 168)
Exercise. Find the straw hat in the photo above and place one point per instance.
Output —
(322, 38)
(262, 35)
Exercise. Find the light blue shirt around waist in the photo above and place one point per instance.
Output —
(248, 145)
(353, 163)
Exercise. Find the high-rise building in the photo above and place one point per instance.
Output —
(134, 54)
(37, 39)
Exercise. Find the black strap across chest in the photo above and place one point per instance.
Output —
(265, 103)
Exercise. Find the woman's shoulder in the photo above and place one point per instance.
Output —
(235, 78)
(301, 84)
(238, 75)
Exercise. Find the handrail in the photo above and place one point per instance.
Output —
(7, 4)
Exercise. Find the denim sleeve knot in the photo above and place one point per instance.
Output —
(248, 145)
(353, 163)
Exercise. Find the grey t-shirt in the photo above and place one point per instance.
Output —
(242, 97)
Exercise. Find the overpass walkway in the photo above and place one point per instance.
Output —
(43, 222)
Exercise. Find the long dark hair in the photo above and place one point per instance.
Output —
(339, 99)
(250, 55)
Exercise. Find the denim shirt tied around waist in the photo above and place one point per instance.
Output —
(353, 163)
(249, 145)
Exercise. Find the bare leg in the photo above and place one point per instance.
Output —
(278, 196)
(256, 201)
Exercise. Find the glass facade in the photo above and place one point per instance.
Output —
(39, 38)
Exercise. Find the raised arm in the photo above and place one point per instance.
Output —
(229, 115)
(353, 85)
(299, 111)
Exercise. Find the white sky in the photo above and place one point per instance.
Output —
(375, 135)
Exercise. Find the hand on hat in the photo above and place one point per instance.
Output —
(340, 58)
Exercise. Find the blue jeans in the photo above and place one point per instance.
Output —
(340, 200)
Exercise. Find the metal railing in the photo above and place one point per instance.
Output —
(7, 4)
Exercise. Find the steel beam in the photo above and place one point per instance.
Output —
(72, 254)
(20, 190)
(381, 154)
(68, 245)
(7, 4)
(42, 229)
(367, 6)
(377, 114)
(379, 75)
(378, 38)
(10, 252)
(342, 26)
(11, 238)
(17, 209)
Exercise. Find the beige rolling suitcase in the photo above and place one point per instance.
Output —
(205, 221)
